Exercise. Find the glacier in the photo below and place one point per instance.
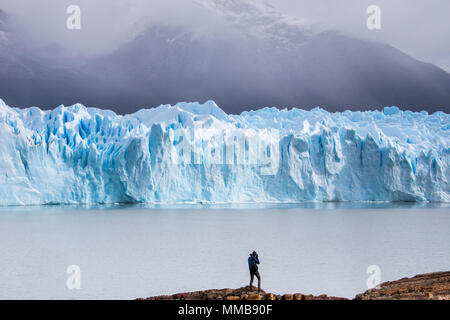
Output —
(197, 153)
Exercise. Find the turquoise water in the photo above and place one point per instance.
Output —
(125, 252)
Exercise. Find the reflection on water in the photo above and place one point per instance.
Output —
(244, 206)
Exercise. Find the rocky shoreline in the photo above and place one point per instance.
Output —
(430, 286)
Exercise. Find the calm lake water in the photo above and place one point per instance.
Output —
(126, 252)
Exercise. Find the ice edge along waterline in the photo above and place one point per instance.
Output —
(196, 153)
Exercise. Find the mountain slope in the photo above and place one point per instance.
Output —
(261, 58)
(327, 69)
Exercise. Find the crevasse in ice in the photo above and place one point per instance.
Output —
(195, 152)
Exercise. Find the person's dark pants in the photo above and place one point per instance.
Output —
(252, 275)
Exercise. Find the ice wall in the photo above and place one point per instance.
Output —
(195, 152)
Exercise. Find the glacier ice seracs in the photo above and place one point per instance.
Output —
(195, 152)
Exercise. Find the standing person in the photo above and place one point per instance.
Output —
(253, 262)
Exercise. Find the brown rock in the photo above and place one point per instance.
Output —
(227, 291)
(435, 286)
(270, 296)
(298, 296)
(254, 296)
(421, 287)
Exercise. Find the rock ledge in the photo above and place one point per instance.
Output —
(430, 286)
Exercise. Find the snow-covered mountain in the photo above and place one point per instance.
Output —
(3, 26)
(4, 38)
(194, 152)
(257, 57)
(260, 19)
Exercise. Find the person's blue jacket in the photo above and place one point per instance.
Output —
(250, 262)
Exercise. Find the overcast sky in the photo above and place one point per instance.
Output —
(417, 27)
(420, 28)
